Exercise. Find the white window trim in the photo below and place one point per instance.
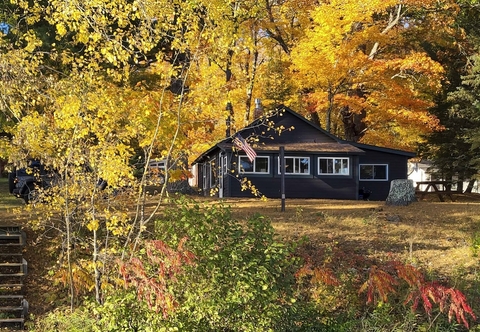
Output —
(386, 172)
(295, 173)
(333, 174)
(241, 171)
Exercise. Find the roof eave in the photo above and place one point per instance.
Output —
(383, 149)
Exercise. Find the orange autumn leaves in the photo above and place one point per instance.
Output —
(356, 56)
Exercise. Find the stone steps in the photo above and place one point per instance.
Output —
(13, 269)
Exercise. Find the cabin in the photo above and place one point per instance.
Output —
(317, 164)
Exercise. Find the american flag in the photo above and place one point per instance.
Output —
(242, 144)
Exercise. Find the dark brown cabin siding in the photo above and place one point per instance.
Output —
(397, 169)
(312, 185)
(333, 188)
(207, 175)
(226, 183)
(305, 140)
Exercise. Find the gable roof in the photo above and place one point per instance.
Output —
(288, 110)
(336, 145)
(355, 144)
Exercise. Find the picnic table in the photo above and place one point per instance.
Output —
(440, 188)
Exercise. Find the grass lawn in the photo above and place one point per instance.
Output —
(438, 236)
(7, 201)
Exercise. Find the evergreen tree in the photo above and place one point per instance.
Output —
(466, 108)
(451, 149)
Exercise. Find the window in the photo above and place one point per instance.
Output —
(296, 165)
(374, 172)
(333, 166)
(157, 164)
(261, 165)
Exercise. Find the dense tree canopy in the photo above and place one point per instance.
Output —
(366, 79)
(375, 83)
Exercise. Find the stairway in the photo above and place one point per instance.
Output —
(13, 269)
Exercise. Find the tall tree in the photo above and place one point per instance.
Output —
(451, 149)
(96, 83)
(368, 83)
(455, 151)
(286, 21)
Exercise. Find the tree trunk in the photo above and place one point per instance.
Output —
(69, 260)
(353, 125)
(460, 186)
(395, 16)
(315, 119)
(328, 118)
(402, 193)
(275, 34)
(251, 83)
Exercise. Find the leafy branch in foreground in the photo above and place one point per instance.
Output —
(153, 271)
(383, 282)
(447, 298)
(333, 279)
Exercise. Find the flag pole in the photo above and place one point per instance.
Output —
(282, 176)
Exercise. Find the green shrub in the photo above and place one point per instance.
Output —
(209, 273)
(243, 279)
(63, 319)
(475, 244)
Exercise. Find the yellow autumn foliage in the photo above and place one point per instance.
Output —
(339, 61)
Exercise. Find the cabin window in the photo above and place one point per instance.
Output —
(260, 165)
(333, 166)
(373, 172)
(296, 165)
